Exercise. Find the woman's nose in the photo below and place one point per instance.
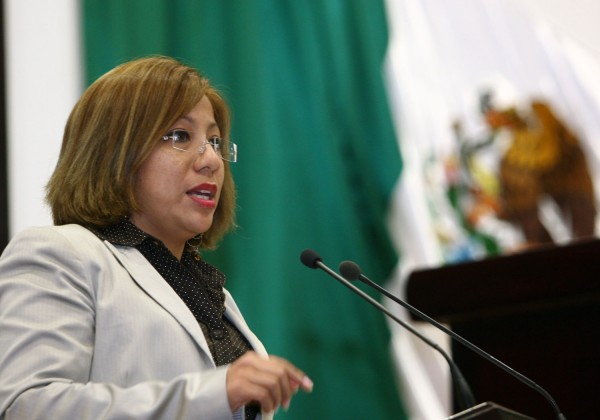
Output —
(209, 158)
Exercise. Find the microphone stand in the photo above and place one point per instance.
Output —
(464, 395)
(353, 270)
(465, 399)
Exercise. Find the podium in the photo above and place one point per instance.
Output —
(537, 311)
(489, 411)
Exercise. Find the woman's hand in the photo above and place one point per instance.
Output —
(271, 382)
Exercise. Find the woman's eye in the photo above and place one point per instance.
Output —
(181, 136)
(216, 141)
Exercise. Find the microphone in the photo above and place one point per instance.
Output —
(351, 271)
(313, 260)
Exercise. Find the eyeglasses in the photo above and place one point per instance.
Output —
(182, 140)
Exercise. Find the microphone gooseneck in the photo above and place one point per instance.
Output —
(354, 273)
(313, 260)
(351, 271)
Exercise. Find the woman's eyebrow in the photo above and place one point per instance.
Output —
(192, 121)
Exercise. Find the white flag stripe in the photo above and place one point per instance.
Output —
(440, 53)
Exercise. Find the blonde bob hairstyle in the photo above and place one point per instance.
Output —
(111, 131)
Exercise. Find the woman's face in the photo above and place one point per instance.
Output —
(178, 191)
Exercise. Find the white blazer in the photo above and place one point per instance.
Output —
(89, 330)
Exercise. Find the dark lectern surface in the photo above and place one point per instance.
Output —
(537, 311)
(489, 411)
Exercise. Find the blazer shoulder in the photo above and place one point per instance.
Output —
(67, 244)
(70, 233)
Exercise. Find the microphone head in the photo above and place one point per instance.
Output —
(310, 258)
(350, 270)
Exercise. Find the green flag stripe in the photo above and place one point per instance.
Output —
(318, 160)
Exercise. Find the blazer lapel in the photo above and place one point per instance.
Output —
(148, 279)
(234, 315)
